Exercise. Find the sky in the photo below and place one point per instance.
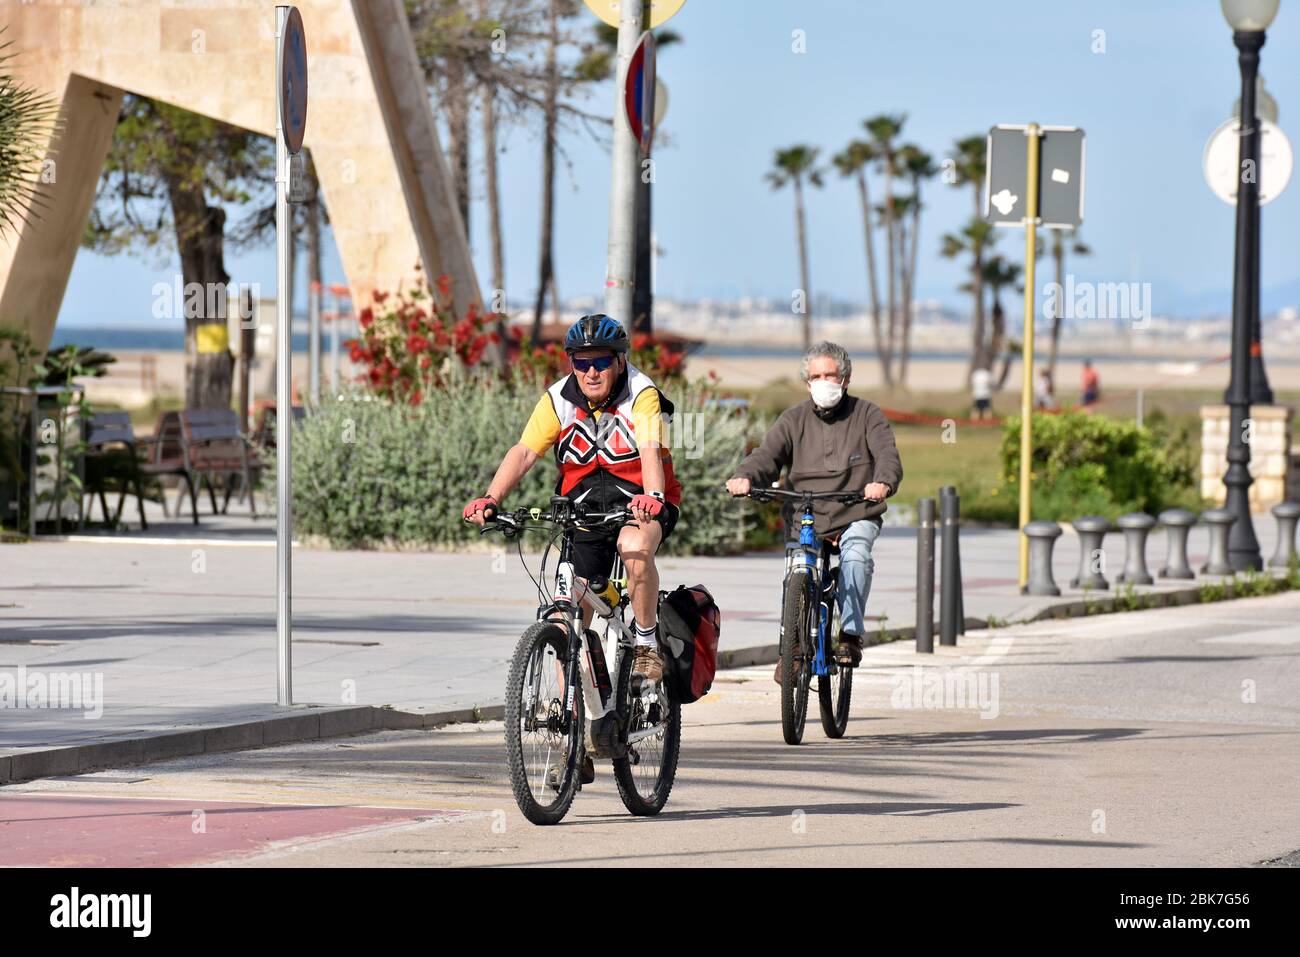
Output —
(738, 91)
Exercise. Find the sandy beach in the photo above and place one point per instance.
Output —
(127, 386)
(948, 375)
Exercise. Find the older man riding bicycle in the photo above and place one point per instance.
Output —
(834, 442)
(605, 423)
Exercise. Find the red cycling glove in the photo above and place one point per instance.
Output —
(478, 505)
(647, 502)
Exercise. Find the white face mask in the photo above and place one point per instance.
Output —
(826, 394)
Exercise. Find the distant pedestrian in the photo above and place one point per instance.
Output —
(1043, 393)
(1091, 385)
(981, 387)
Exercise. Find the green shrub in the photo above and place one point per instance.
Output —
(1090, 465)
(996, 506)
(368, 472)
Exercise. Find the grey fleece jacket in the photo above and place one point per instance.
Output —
(837, 451)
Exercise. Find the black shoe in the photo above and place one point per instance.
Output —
(849, 652)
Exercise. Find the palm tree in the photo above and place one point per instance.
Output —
(794, 165)
(918, 165)
(1079, 248)
(973, 239)
(27, 121)
(970, 159)
(1000, 272)
(897, 332)
(853, 161)
(883, 129)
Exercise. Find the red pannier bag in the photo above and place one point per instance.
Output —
(689, 625)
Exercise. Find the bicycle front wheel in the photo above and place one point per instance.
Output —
(647, 770)
(835, 688)
(543, 737)
(796, 636)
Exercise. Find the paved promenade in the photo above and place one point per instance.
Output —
(181, 626)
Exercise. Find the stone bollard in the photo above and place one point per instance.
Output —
(1137, 526)
(1286, 513)
(1178, 523)
(1092, 531)
(1219, 521)
(1042, 536)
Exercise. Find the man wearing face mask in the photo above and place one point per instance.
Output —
(834, 442)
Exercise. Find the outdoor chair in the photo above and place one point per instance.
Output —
(216, 449)
(112, 464)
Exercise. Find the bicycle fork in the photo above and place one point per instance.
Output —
(821, 663)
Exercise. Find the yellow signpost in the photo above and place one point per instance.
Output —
(1027, 348)
(1033, 178)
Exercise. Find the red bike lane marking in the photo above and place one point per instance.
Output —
(79, 831)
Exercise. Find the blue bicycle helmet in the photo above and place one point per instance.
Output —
(595, 332)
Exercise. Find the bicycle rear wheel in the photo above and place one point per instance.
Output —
(836, 688)
(540, 733)
(796, 632)
(646, 772)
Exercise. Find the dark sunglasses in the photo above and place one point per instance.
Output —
(600, 364)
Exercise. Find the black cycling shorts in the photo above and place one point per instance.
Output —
(594, 552)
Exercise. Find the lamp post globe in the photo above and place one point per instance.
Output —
(1249, 16)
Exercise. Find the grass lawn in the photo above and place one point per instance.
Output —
(971, 460)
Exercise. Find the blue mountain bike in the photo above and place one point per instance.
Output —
(810, 621)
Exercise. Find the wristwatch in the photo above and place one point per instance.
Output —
(656, 495)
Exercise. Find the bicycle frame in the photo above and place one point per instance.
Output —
(812, 560)
(599, 682)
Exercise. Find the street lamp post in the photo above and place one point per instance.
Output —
(1248, 19)
(1260, 391)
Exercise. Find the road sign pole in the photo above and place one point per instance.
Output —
(1027, 348)
(620, 267)
(283, 398)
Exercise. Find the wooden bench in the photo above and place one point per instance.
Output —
(214, 447)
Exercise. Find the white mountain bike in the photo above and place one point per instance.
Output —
(545, 715)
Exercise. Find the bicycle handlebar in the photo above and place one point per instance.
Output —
(845, 498)
(568, 515)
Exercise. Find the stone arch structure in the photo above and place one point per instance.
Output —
(369, 126)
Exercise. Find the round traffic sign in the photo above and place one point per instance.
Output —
(1222, 158)
(293, 81)
(639, 88)
(661, 11)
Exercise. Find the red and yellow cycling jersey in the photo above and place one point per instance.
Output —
(589, 442)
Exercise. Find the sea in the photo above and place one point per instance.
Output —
(172, 339)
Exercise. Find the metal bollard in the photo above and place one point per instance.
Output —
(951, 492)
(925, 576)
(1286, 513)
(1137, 526)
(1177, 523)
(949, 568)
(1042, 537)
(1092, 531)
(1219, 521)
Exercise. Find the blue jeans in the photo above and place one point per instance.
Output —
(856, 568)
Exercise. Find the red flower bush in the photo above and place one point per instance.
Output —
(411, 341)
(404, 347)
